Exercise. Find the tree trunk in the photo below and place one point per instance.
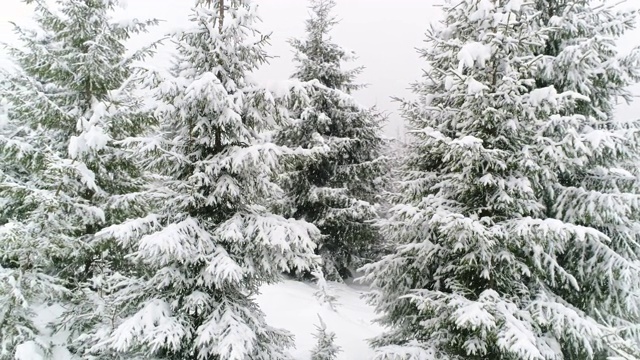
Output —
(218, 135)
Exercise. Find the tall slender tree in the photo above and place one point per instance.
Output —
(63, 173)
(481, 268)
(196, 264)
(337, 191)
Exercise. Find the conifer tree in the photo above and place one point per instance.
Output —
(395, 151)
(196, 264)
(337, 191)
(63, 172)
(324, 293)
(595, 158)
(481, 268)
(325, 348)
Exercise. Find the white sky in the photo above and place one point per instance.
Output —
(383, 33)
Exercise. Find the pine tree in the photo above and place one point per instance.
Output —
(325, 348)
(63, 173)
(481, 268)
(195, 265)
(337, 191)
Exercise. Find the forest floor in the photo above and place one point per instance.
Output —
(291, 305)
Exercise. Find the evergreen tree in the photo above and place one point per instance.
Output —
(337, 191)
(396, 153)
(481, 268)
(324, 293)
(63, 172)
(325, 348)
(595, 160)
(196, 264)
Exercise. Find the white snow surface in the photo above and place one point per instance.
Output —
(31, 351)
(472, 54)
(289, 305)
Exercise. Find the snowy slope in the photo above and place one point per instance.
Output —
(292, 306)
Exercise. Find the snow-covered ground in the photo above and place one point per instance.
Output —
(291, 305)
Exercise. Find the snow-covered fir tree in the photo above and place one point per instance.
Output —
(196, 264)
(63, 173)
(324, 292)
(325, 348)
(595, 159)
(482, 269)
(337, 191)
(395, 151)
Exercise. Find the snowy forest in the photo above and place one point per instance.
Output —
(190, 212)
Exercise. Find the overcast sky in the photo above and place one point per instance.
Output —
(383, 33)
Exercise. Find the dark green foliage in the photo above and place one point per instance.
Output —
(337, 190)
(64, 171)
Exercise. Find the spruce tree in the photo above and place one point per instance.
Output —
(395, 151)
(325, 348)
(196, 264)
(338, 190)
(324, 292)
(595, 160)
(63, 172)
(482, 269)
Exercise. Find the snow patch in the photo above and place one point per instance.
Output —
(514, 5)
(485, 8)
(293, 306)
(29, 351)
(541, 95)
(473, 53)
(475, 87)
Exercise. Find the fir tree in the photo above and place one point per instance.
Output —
(396, 153)
(595, 179)
(481, 268)
(196, 264)
(337, 191)
(63, 174)
(324, 293)
(325, 348)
